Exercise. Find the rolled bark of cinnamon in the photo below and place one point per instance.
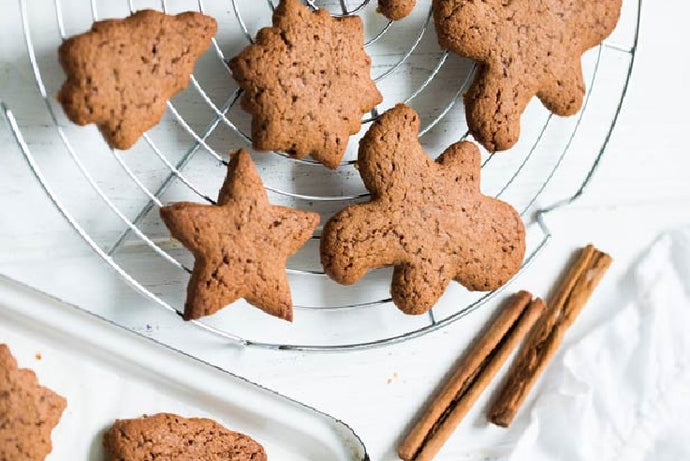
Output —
(546, 337)
(473, 374)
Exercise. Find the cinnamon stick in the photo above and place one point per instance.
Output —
(472, 376)
(546, 337)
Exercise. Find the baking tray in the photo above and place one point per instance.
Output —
(107, 372)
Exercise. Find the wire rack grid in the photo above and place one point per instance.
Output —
(546, 141)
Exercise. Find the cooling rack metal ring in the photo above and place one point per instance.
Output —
(221, 117)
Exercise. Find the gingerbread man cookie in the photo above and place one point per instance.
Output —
(306, 83)
(240, 245)
(428, 219)
(121, 73)
(525, 48)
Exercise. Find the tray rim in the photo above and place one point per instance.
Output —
(73, 309)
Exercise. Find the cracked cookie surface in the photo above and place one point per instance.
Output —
(28, 412)
(525, 48)
(121, 73)
(306, 83)
(240, 245)
(427, 219)
(169, 437)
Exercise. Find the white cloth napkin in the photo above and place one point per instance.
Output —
(623, 391)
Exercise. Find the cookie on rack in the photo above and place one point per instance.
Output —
(121, 73)
(306, 83)
(525, 48)
(396, 9)
(240, 245)
(427, 219)
(28, 412)
(166, 436)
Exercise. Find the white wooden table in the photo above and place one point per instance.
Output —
(641, 189)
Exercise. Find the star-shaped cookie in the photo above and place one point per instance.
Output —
(306, 83)
(121, 73)
(240, 245)
(28, 412)
(525, 48)
(428, 219)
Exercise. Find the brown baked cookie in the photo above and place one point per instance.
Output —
(168, 437)
(122, 72)
(396, 9)
(240, 245)
(525, 48)
(306, 83)
(426, 218)
(28, 412)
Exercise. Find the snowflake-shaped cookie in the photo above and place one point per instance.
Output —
(306, 83)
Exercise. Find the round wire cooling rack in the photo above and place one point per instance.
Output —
(183, 158)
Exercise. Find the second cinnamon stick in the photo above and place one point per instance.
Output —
(546, 337)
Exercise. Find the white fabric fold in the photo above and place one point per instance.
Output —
(622, 392)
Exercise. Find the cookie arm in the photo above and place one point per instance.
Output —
(357, 239)
(492, 263)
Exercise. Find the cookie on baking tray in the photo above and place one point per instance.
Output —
(28, 412)
(169, 437)
(428, 219)
(396, 9)
(240, 245)
(525, 48)
(122, 72)
(306, 82)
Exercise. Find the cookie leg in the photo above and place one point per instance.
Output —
(564, 92)
(416, 287)
(494, 105)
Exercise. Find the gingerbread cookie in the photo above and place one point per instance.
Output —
(28, 412)
(306, 83)
(396, 9)
(168, 437)
(122, 72)
(525, 48)
(426, 218)
(240, 245)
